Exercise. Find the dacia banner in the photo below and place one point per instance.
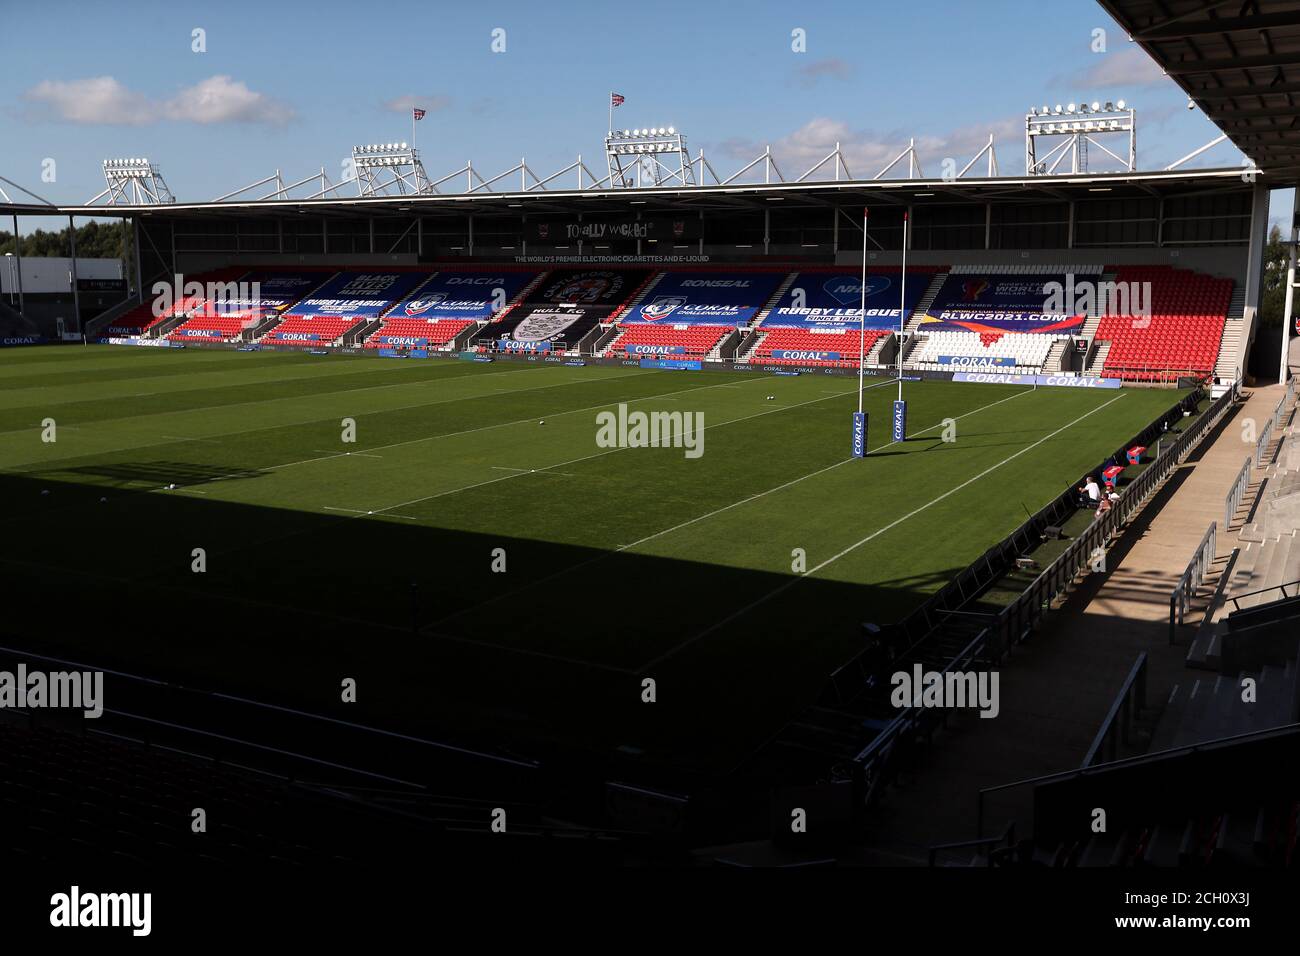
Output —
(463, 295)
(706, 298)
(543, 323)
(974, 361)
(276, 290)
(998, 303)
(817, 300)
(360, 294)
(900, 421)
(801, 355)
(598, 287)
(859, 434)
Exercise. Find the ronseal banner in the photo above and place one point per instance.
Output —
(817, 300)
(705, 298)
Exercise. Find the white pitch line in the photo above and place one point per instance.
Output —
(813, 474)
(624, 547)
(207, 441)
(600, 454)
(875, 534)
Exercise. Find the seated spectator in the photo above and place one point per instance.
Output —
(1093, 489)
(1103, 506)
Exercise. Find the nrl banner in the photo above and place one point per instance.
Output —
(998, 303)
(360, 294)
(594, 287)
(706, 298)
(820, 301)
(463, 295)
(542, 325)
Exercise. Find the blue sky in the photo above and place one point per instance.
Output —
(295, 85)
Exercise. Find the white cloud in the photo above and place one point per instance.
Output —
(867, 152)
(104, 101)
(404, 104)
(830, 67)
(100, 99)
(1127, 68)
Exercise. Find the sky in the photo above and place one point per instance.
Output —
(293, 86)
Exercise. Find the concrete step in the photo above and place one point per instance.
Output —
(1272, 574)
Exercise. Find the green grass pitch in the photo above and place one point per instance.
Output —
(374, 560)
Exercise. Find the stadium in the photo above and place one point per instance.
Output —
(655, 513)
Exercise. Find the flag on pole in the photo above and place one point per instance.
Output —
(615, 99)
(417, 113)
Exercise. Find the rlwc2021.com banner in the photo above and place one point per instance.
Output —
(274, 289)
(463, 295)
(820, 301)
(998, 303)
(705, 298)
(360, 294)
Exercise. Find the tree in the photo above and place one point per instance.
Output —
(1277, 258)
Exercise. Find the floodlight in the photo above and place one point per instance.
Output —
(1120, 104)
(671, 131)
(1109, 106)
(1096, 105)
(1070, 108)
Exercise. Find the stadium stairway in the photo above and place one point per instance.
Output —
(776, 297)
(1055, 356)
(1229, 359)
(924, 303)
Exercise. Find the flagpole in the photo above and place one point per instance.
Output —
(610, 131)
(862, 315)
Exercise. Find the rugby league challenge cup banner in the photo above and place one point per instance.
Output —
(360, 294)
(818, 300)
(463, 295)
(705, 298)
(997, 303)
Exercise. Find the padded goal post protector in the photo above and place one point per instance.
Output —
(900, 421)
(859, 434)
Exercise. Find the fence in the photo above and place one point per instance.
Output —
(1020, 616)
(1236, 494)
(1181, 596)
(1265, 437)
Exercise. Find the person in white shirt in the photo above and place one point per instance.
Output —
(1093, 489)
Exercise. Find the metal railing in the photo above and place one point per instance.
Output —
(1236, 494)
(1131, 700)
(1007, 839)
(1294, 585)
(1192, 578)
(1265, 438)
